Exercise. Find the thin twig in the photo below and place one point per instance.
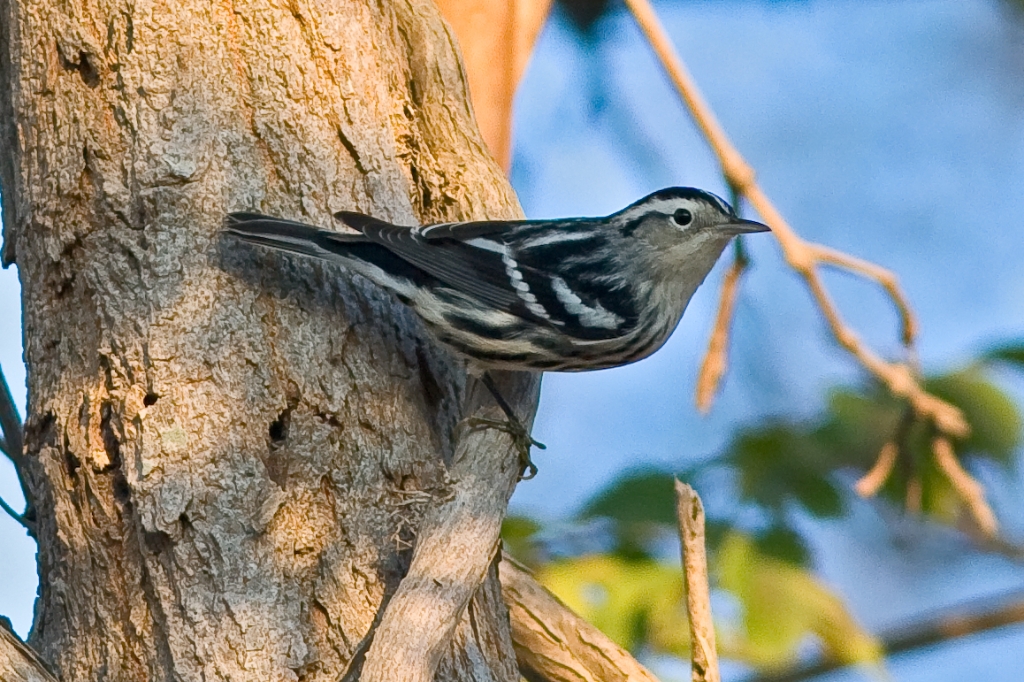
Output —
(10, 423)
(969, 490)
(716, 360)
(704, 655)
(16, 516)
(13, 447)
(801, 255)
(871, 482)
(960, 621)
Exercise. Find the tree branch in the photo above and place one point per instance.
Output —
(12, 445)
(552, 643)
(802, 256)
(457, 542)
(960, 621)
(18, 662)
(16, 516)
(712, 369)
(690, 514)
(10, 424)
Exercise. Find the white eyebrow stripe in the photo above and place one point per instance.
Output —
(521, 288)
(557, 237)
(588, 316)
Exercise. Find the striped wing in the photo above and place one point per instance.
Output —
(512, 266)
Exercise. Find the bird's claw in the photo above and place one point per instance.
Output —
(521, 438)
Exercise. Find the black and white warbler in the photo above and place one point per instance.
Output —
(535, 295)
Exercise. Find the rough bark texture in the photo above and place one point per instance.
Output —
(232, 452)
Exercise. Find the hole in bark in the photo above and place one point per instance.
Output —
(279, 427)
(157, 541)
(150, 399)
(122, 493)
(84, 64)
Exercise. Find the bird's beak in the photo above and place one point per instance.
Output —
(740, 226)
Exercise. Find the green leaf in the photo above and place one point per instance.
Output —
(1012, 353)
(639, 496)
(782, 463)
(642, 604)
(783, 543)
(633, 602)
(993, 416)
(857, 425)
(517, 532)
(782, 604)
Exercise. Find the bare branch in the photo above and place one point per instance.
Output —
(554, 644)
(960, 621)
(716, 360)
(871, 482)
(969, 490)
(457, 542)
(10, 423)
(801, 255)
(16, 516)
(18, 662)
(704, 655)
(12, 444)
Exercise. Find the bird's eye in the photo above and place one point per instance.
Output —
(682, 217)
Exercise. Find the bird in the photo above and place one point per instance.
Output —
(566, 295)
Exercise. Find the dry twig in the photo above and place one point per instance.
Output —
(704, 655)
(803, 256)
(716, 359)
(969, 490)
(13, 446)
(10, 424)
(871, 482)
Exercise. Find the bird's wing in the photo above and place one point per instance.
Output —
(538, 270)
(455, 261)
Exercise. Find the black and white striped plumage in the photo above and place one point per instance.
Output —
(539, 295)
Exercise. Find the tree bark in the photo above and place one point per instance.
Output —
(232, 453)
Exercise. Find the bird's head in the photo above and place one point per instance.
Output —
(685, 227)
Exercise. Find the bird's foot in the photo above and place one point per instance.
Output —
(521, 438)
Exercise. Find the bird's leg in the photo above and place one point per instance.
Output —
(515, 428)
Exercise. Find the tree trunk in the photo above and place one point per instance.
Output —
(236, 457)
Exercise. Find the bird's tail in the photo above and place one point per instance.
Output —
(354, 250)
(289, 235)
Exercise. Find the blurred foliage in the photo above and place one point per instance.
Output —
(783, 603)
(771, 475)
